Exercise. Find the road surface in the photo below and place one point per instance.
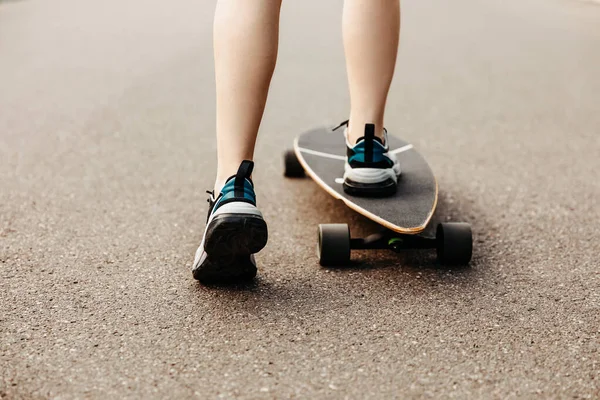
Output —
(106, 149)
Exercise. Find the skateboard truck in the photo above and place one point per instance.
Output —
(453, 243)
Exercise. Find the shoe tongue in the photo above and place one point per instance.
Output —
(362, 138)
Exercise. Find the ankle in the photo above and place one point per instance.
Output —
(224, 172)
(219, 183)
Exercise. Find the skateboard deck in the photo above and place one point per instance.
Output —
(322, 153)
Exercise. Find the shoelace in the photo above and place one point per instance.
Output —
(212, 196)
(346, 123)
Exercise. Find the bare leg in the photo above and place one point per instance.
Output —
(371, 33)
(245, 42)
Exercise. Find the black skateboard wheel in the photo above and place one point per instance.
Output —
(334, 244)
(454, 243)
(292, 167)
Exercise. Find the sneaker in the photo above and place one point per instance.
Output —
(235, 230)
(370, 169)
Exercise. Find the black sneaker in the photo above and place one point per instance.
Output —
(235, 230)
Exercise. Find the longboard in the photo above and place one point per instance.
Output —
(322, 153)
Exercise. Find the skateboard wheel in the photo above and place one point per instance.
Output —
(334, 244)
(454, 243)
(292, 167)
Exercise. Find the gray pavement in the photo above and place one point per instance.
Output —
(106, 148)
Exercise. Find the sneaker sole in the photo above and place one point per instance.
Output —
(383, 189)
(232, 235)
(230, 240)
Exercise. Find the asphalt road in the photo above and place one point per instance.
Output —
(106, 149)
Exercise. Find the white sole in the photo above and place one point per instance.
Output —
(371, 175)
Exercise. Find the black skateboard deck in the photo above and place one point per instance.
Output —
(322, 153)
